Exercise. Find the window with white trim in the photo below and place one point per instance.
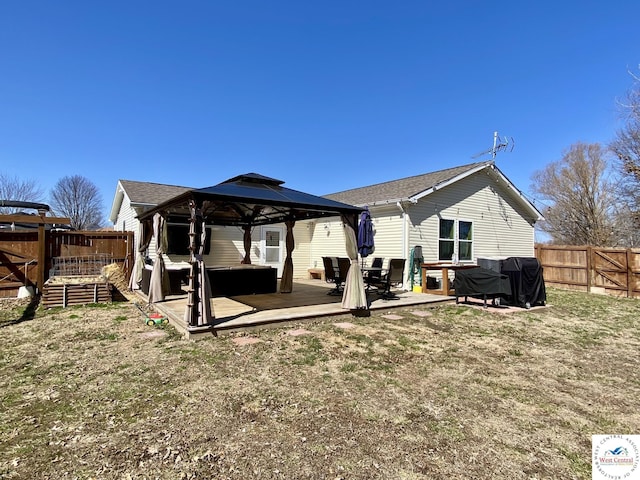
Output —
(465, 241)
(455, 240)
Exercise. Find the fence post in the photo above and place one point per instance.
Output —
(589, 267)
(629, 274)
(42, 259)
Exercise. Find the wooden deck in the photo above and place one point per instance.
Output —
(309, 299)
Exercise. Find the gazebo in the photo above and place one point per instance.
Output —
(245, 201)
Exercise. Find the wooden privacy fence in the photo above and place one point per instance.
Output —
(615, 271)
(64, 253)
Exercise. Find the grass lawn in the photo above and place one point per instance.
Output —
(441, 392)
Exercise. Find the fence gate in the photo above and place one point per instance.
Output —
(612, 270)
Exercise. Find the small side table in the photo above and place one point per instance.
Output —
(444, 269)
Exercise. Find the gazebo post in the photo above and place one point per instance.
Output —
(247, 244)
(198, 311)
(286, 282)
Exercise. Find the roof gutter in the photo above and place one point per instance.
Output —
(117, 203)
(396, 201)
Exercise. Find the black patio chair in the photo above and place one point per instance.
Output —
(332, 275)
(394, 276)
(373, 274)
(343, 268)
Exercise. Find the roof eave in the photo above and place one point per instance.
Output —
(446, 183)
(537, 215)
(491, 167)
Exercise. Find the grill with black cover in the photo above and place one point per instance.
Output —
(482, 283)
(527, 283)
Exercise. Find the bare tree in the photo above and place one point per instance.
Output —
(626, 147)
(77, 198)
(581, 197)
(12, 188)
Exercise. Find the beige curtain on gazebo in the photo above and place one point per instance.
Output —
(354, 296)
(198, 312)
(286, 282)
(159, 284)
(145, 234)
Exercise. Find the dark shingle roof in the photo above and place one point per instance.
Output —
(150, 193)
(402, 188)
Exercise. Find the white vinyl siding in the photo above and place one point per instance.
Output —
(327, 240)
(388, 233)
(328, 237)
(302, 232)
(499, 228)
(126, 217)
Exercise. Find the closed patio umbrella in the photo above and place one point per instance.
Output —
(365, 234)
(354, 296)
(159, 283)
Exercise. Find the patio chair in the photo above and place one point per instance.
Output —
(374, 272)
(394, 276)
(343, 268)
(331, 275)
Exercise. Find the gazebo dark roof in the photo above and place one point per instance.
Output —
(252, 199)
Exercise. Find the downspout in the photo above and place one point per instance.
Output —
(405, 242)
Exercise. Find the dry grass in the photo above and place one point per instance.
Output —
(441, 393)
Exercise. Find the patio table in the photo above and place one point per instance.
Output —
(444, 269)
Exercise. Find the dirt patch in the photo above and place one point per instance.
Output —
(93, 392)
(242, 341)
(153, 334)
(297, 332)
(345, 325)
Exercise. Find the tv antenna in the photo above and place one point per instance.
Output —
(499, 145)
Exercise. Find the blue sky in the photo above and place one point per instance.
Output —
(325, 96)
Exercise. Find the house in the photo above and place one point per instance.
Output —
(458, 214)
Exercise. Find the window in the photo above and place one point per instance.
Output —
(447, 240)
(178, 240)
(455, 240)
(465, 243)
(272, 246)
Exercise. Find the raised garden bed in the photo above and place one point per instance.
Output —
(66, 291)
